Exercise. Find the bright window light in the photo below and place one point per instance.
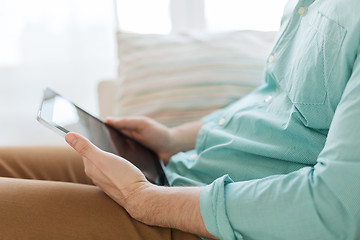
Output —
(227, 15)
(144, 16)
(64, 112)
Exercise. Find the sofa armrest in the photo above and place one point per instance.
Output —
(106, 97)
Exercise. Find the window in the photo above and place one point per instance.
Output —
(75, 19)
(226, 15)
(42, 31)
(163, 16)
(143, 16)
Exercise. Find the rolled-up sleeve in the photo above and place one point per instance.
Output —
(212, 204)
(320, 202)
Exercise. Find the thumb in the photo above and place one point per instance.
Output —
(82, 145)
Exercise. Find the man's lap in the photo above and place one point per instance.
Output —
(65, 206)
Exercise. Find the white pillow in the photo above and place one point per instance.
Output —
(178, 78)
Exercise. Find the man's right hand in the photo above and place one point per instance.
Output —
(156, 136)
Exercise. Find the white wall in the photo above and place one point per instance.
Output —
(68, 45)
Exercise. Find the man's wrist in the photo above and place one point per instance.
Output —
(170, 207)
(183, 137)
(176, 140)
(177, 143)
(138, 204)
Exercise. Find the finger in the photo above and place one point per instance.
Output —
(107, 163)
(129, 133)
(116, 169)
(91, 154)
(129, 123)
(83, 146)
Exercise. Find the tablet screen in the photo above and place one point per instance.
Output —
(64, 116)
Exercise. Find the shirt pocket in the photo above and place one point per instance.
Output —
(307, 59)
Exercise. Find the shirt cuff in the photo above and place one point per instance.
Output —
(213, 209)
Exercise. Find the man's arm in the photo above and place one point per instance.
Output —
(174, 207)
(320, 202)
(158, 206)
(185, 135)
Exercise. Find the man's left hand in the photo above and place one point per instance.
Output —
(116, 176)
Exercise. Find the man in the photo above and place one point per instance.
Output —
(281, 163)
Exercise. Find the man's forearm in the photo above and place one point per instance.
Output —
(175, 207)
(172, 207)
(185, 135)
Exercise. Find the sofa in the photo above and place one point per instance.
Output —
(181, 77)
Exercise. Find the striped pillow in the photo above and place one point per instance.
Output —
(182, 77)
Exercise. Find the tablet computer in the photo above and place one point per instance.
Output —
(63, 116)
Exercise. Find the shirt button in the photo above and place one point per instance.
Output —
(302, 10)
(222, 121)
(271, 59)
(193, 157)
(268, 99)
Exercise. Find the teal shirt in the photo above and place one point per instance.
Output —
(284, 162)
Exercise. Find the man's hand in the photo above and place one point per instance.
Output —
(153, 205)
(157, 137)
(148, 132)
(116, 176)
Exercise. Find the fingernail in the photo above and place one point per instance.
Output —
(110, 119)
(71, 139)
